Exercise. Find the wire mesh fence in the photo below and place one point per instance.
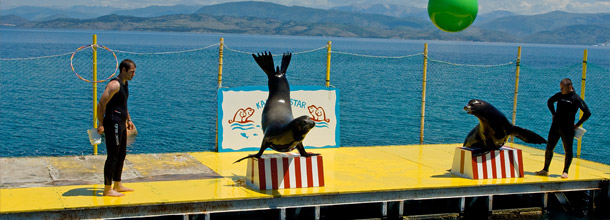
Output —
(174, 102)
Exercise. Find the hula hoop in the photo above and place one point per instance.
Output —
(98, 46)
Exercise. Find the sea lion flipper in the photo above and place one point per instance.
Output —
(265, 62)
(285, 61)
(527, 135)
(302, 151)
(246, 157)
(264, 146)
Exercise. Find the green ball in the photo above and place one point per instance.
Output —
(452, 15)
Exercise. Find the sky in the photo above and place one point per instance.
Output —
(525, 7)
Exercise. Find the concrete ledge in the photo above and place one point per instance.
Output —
(21, 172)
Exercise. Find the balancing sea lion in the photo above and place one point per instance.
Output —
(493, 129)
(282, 132)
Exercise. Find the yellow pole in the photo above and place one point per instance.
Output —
(220, 51)
(512, 139)
(582, 94)
(222, 43)
(423, 96)
(94, 47)
(328, 45)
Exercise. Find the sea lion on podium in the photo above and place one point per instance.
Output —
(283, 133)
(493, 129)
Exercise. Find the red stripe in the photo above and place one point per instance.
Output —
(511, 160)
(297, 171)
(462, 161)
(309, 172)
(484, 164)
(273, 170)
(475, 168)
(520, 160)
(261, 173)
(503, 164)
(321, 171)
(493, 164)
(286, 172)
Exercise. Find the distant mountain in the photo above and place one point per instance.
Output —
(525, 25)
(268, 26)
(308, 15)
(41, 13)
(101, 10)
(86, 12)
(215, 24)
(487, 17)
(155, 11)
(273, 19)
(12, 20)
(399, 11)
(573, 34)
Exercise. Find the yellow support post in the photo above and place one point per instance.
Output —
(423, 96)
(582, 94)
(94, 47)
(220, 48)
(328, 45)
(220, 52)
(512, 139)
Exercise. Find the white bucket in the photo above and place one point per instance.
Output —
(579, 132)
(94, 137)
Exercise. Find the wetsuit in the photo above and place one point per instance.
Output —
(563, 125)
(116, 134)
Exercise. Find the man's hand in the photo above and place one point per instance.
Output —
(130, 125)
(100, 129)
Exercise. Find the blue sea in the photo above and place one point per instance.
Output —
(45, 109)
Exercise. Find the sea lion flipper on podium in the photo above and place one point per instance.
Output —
(304, 153)
(264, 146)
(527, 135)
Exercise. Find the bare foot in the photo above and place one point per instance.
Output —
(122, 188)
(113, 193)
(542, 173)
(564, 175)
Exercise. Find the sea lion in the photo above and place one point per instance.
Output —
(282, 132)
(493, 129)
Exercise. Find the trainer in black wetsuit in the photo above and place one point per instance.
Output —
(568, 103)
(116, 134)
(113, 113)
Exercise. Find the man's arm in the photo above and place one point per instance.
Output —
(586, 113)
(551, 103)
(111, 89)
(129, 122)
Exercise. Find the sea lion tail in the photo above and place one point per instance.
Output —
(265, 62)
(246, 157)
(527, 135)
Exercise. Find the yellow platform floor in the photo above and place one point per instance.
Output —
(378, 173)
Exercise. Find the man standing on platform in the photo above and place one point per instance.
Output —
(568, 103)
(114, 121)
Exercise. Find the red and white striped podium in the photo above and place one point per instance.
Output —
(503, 163)
(284, 171)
